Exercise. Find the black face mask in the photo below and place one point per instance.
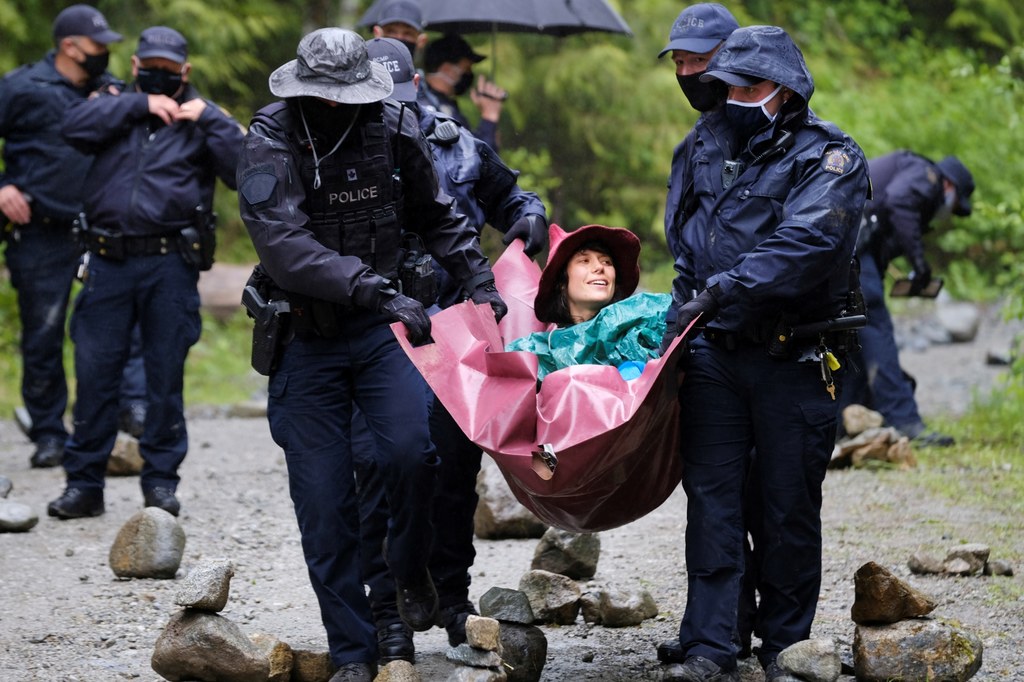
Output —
(95, 65)
(158, 82)
(702, 96)
(746, 121)
(463, 84)
(411, 46)
(323, 119)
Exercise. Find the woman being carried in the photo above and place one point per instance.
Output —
(586, 291)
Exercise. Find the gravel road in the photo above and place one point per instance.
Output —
(64, 616)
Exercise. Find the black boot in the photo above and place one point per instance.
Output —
(394, 643)
(453, 620)
(49, 453)
(417, 602)
(77, 503)
(163, 498)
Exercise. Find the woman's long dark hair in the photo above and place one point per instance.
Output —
(557, 307)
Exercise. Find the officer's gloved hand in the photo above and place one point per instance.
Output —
(409, 312)
(488, 293)
(922, 277)
(704, 306)
(532, 229)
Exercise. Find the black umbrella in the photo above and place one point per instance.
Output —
(549, 17)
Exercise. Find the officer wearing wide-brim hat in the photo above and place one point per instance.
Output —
(330, 179)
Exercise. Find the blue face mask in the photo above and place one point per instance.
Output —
(747, 118)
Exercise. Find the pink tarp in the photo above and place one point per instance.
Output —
(588, 451)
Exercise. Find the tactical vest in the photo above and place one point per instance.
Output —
(356, 210)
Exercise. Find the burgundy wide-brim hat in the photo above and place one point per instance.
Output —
(623, 246)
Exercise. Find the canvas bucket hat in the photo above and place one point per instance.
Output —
(332, 63)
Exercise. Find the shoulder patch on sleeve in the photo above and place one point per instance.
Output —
(835, 161)
(258, 187)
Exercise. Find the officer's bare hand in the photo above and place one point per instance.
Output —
(14, 205)
(191, 110)
(163, 107)
(488, 98)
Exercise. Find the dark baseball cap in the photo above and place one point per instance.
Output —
(84, 20)
(400, 12)
(957, 173)
(699, 28)
(395, 57)
(160, 41)
(451, 48)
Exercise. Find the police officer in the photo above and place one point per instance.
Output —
(696, 35)
(448, 62)
(909, 193)
(40, 196)
(781, 191)
(329, 179)
(485, 189)
(159, 149)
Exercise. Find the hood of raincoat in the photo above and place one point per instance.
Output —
(764, 53)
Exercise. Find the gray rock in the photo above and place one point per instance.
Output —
(975, 554)
(617, 608)
(206, 586)
(960, 319)
(204, 646)
(571, 554)
(466, 674)
(499, 515)
(554, 598)
(922, 563)
(881, 597)
(813, 660)
(464, 654)
(278, 654)
(857, 419)
(525, 650)
(5, 486)
(398, 671)
(16, 517)
(998, 567)
(918, 649)
(483, 633)
(149, 545)
(507, 605)
(958, 566)
(125, 459)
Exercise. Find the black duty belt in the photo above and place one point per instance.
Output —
(151, 245)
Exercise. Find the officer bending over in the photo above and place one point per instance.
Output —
(329, 179)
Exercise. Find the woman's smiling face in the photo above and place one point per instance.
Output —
(591, 283)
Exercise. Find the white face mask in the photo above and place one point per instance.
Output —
(950, 198)
(761, 103)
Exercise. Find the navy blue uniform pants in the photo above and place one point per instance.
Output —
(312, 397)
(455, 503)
(881, 383)
(42, 262)
(159, 294)
(733, 402)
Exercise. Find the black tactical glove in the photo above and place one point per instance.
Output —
(488, 293)
(409, 312)
(532, 229)
(921, 277)
(704, 306)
